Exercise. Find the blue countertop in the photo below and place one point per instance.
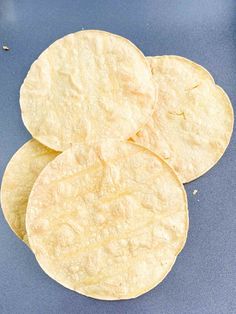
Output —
(203, 279)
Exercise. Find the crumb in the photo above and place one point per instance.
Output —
(5, 48)
(195, 192)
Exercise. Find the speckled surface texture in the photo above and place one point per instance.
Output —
(101, 221)
(203, 279)
(193, 122)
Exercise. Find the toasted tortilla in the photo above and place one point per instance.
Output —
(193, 123)
(19, 177)
(107, 220)
(87, 86)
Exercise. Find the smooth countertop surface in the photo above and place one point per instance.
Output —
(203, 279)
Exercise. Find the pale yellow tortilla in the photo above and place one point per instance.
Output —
(87, 86)
(193, 122)
(19, 177)
(107, 220)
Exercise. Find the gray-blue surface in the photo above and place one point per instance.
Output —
(203, 279)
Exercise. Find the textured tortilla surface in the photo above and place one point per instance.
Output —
(107, 220)
(19, 177)
(86, 86)
(193, 122)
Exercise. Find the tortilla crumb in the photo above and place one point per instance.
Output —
(195, 192)
(5, 48)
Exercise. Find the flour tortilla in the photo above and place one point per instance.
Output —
(107, 220)
(193, 123)
(87, 86)
(17, 182)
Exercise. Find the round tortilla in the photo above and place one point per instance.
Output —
(19, 177)
(193, 124)
(107, 220)
(87, 86)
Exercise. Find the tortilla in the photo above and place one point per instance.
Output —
(193, 124)
(87, 86)
(107, 220)
(19, 177)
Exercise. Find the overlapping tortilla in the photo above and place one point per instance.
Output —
(107, 220)
(19, 177)
(193, 122)
(86, 86)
